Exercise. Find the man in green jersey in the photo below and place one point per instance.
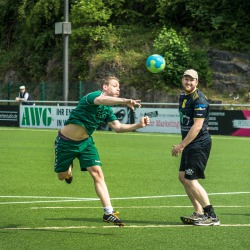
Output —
(74, 140)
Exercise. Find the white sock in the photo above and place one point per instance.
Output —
(108, 210)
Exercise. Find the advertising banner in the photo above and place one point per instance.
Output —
(9, 116)
(44, 116)
(230, 122)
(161, 120)
(227, 122)
(55, 116)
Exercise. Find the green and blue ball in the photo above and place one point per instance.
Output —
(155, 63)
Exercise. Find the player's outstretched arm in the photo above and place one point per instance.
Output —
(110, 101)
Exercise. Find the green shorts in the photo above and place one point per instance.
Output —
(67, 150)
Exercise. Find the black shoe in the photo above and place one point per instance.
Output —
(69, 178)
(113, 218)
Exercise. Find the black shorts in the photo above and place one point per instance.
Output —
(194, 161)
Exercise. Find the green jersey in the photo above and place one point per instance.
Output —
(89, 115)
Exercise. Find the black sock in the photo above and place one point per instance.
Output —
(209, 210)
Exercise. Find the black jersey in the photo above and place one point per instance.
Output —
(194, 105)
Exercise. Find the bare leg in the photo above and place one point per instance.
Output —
(102, 192)
(196, 193)
(62, 175)
(100, 185)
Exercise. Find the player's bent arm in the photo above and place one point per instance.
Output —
(122, 128)
(193, 132)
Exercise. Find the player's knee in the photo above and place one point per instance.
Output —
(61, 176)
(97, 174)
(182, 179)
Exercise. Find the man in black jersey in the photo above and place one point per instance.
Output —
(195, 149)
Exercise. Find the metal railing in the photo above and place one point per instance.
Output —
(65, 103)
(57, 103)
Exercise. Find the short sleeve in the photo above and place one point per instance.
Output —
(112, 117)
(200, 107)
(91, 96)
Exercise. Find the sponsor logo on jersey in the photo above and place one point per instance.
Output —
(201, 105)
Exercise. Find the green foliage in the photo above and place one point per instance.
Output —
(173, 11)
(132, 12)
(180, 55)
(89, 13)
(227, 20)
(28, 43)
(31, 35)
(90, 31)
(37, 23)
(87, 41)
(225, 23)
(9, 23)
(176, 52)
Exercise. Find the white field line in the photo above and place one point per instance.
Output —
(110, 227)
(131, 207)
(76, 199)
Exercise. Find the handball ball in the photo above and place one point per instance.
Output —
(155, 63)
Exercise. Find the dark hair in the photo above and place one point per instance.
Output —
(107, 79)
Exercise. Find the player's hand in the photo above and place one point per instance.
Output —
(133, 104)
(145, 121)
(177, 149)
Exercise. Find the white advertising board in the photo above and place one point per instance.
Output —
(162, 120)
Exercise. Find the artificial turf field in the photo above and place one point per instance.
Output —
(40, 212)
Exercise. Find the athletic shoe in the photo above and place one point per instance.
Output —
(69, 177)
(193, 218)
(208, 221)
(113, 218)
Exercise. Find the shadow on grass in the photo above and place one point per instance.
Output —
(11, 228)
(127, 222)
(84, 222)
(234, 214)
(66, 231)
